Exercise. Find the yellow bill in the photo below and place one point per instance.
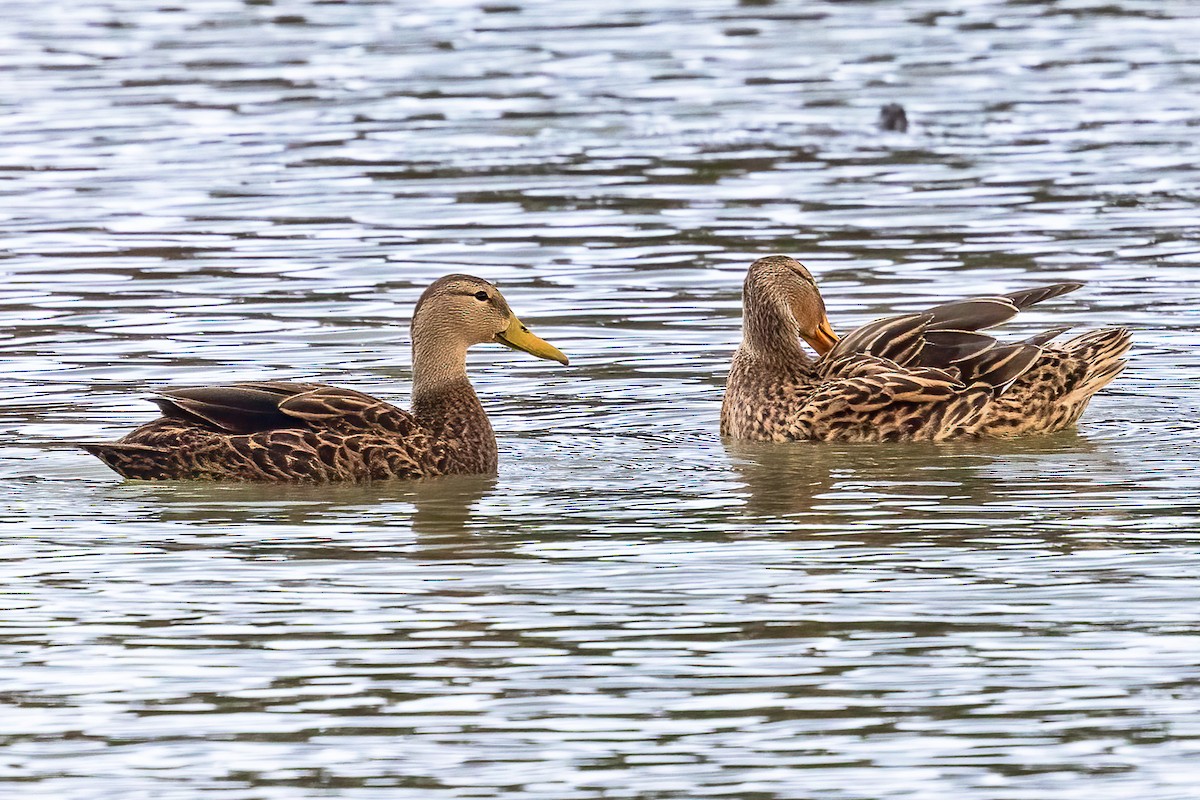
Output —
(518, 337)
(822, 339)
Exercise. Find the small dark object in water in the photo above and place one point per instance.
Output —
(893, 118)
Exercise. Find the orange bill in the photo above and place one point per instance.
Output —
(822, 338)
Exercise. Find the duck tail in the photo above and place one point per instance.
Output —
(127, 460)
(1102, 350)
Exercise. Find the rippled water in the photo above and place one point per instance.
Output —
(205, 191)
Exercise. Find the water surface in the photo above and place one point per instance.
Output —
(632, 608)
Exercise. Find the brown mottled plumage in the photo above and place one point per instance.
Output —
(276, 431)
(929, 376)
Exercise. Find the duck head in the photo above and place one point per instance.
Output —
(780, 292)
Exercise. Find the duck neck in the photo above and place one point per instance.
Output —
(445, 403)
(771, 334)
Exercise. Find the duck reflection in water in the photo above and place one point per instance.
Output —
(831, 483)
(438, 515)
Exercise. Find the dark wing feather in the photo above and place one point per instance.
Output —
(978, 357)
(1042, 338)
(898, 339)
(1027, 297)
(946, 337)
(242, 408)
(236, 408)
(977, 313)
(1001, 365)
(953, 347)
(981, 313)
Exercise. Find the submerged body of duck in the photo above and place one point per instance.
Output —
(928, 376)
(312, 432)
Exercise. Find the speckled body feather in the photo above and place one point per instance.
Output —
(301, 432)
(930, 376)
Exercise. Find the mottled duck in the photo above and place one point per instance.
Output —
(927, 376)
(312, 432)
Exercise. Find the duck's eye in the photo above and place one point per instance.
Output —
(481, 295)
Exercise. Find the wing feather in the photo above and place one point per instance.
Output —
(898, 339)
(1026, 297)
(947, 337)
(236, 408)
(244, 408)
(977, 313)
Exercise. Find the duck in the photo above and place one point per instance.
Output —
(927, 376)
(277, 431)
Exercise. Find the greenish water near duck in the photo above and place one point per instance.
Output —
(631, 608)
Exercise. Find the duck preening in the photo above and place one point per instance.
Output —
(930, 376)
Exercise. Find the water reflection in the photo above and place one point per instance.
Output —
(288, 520)
(975, 479)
